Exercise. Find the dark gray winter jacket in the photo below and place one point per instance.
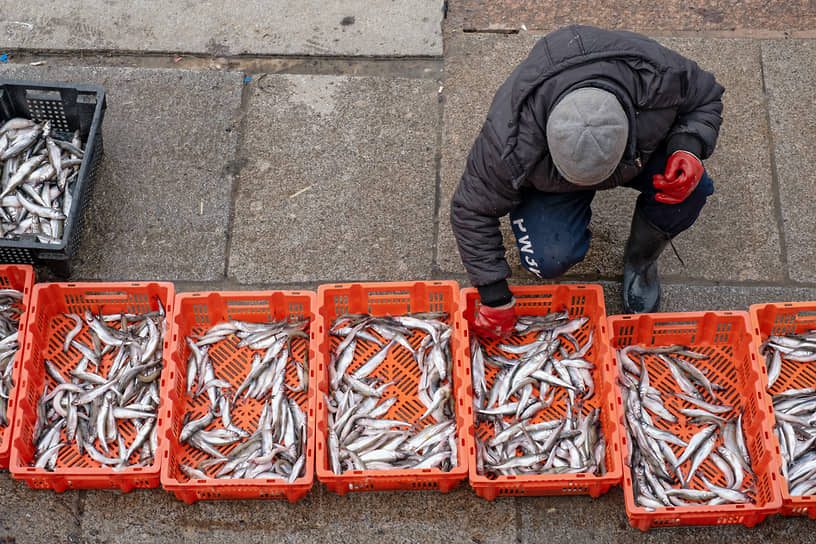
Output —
(668, 98)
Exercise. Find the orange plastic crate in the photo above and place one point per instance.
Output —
(45, 328)
(781, 319)
(196, 313)
(579, 300)
(726, 338)
(21, 278)
(382, 299)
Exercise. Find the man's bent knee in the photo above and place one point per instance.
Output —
(548, 267)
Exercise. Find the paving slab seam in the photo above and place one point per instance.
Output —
(518, 521)
(505, 30)
(79, 502)
(23, 52)
(238, 164)
(754, 34)
(667, 279)
(440, 135)
(462, 279)
(775, 187)
(744, 284)
(390, 67)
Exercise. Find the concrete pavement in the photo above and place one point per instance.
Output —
(314, 151)
(308, 27)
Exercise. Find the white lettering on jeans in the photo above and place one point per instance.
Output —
(525, 245)
(532, 265)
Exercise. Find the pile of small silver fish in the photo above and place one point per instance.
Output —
(532, 432)
(276, 447)
(796, 348)
(9, 323)
(794, 411)
(359, 435)
(110, 416)
(38, 172)
(667, 470)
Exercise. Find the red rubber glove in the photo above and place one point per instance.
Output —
(498, 322)
(683, 173)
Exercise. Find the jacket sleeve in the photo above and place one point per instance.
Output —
(700, 114)
(484, 194)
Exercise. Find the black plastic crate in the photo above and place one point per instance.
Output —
(69, 107)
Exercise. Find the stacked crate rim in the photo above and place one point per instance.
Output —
(21, 278)
(49, 303)
(781, 319)
(69, 107)
(197, 312)
(382, 299)
(580, 300)
(727, 339)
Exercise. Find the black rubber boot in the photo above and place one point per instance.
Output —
(641, 286)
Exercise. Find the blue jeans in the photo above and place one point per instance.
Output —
(552, 228)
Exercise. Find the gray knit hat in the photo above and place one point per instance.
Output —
(586, 134)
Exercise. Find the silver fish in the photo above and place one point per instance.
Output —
(361, 435)
(39, 174)
(10, 312)
(115, 403)
(711, 449)
(273, 445)
(542, 378)
(794, 408)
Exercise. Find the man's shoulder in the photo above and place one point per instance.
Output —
(572, 41)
